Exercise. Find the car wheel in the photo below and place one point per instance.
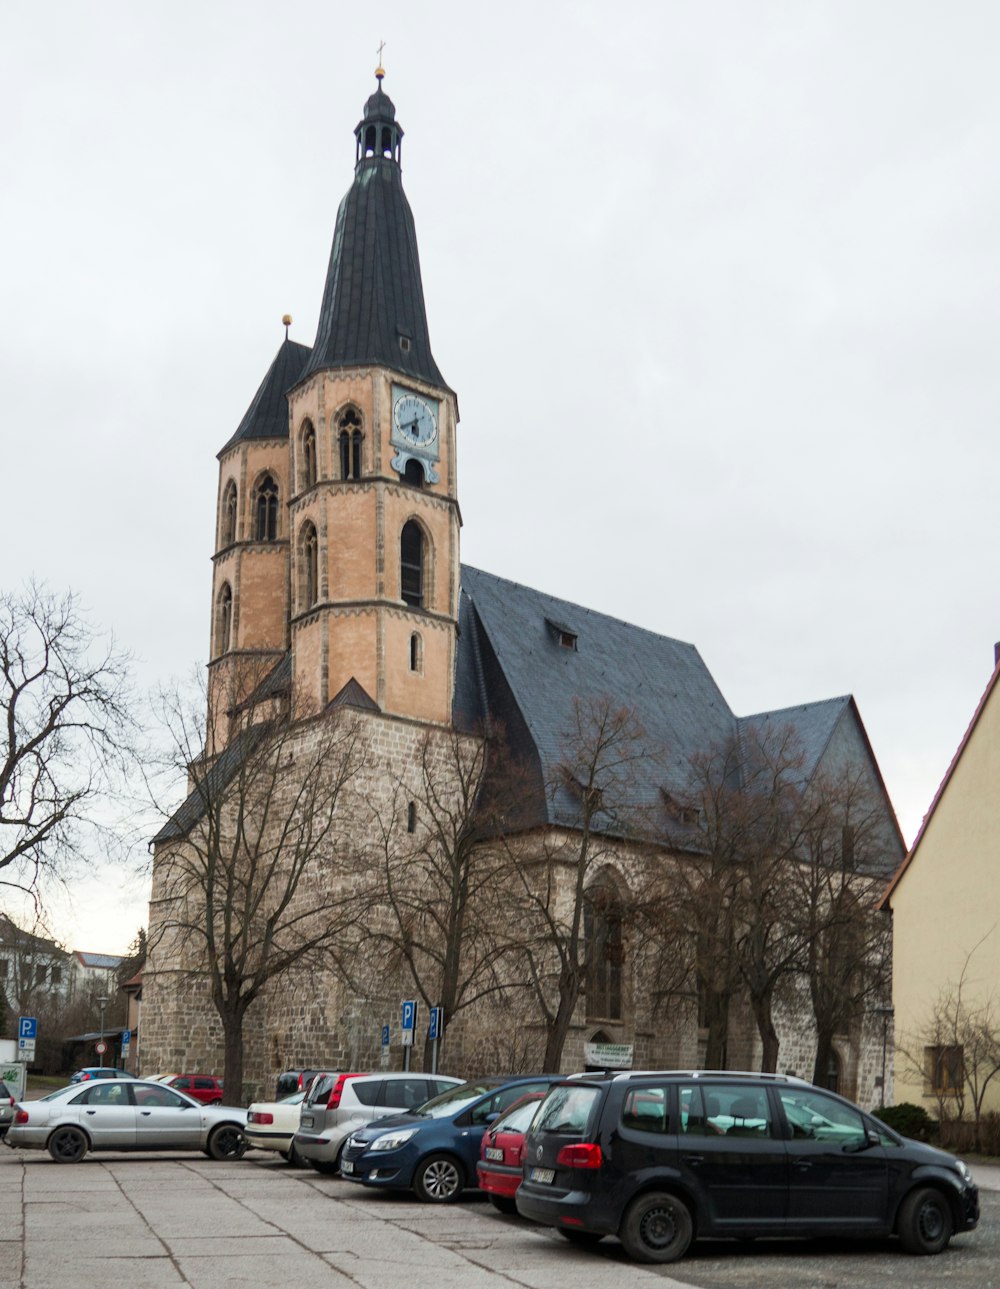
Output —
(285, 1156)
(294, 1158)
(924, 1224)
(657, 1227)
(439, 1180)
(576, 1236)
(226, 1142)
(68, 1145)
(503, 1203)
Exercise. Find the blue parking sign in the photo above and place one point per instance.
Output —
(409, 1013)
(434, 1025)
(27, 1027)
(385, 1035)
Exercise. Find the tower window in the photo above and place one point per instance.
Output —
(404, 344)
(414, 473)
(411, 817)
(308, 455)
(224, 618)
(416, 652)
(602, 930)
(229, 514)
(309, 565)
(266, 528)
(411, 564)
(350, 445)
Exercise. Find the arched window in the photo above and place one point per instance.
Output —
(411, 817)
(229, 514)
(411, 564)
(266, 526)
(416, 652)
(349, 426)
(414, 473)
(308, 472)
(602, 930)
(224, 619)
(309, 565)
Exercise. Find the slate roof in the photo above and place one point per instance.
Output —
(222, 772)
(373, 293)
(267, 415)
(99, 961)
(813, 723)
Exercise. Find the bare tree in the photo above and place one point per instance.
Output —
(439, 868)
(68, 733)
(556, 878)
(257, 873)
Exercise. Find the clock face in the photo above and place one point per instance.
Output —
(415, 420)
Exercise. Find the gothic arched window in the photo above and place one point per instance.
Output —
(266, 525)
(411, 564)
(416, 652)
(229, 499)
(308, 472)
(349, 426)
(224, 619)
(602, 930)
(309, 565)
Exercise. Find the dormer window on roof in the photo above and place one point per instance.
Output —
(563, 635)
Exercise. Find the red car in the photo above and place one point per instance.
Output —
(499, 1166)
(205, 1088)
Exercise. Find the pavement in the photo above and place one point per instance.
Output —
(987, 1176)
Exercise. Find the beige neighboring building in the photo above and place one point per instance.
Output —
(945, 903)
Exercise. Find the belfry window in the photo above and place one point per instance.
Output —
(411, 564)
(224, 619)
(229, 499)
(266, 527)
(308, 455)
(350, 445)
(309, 565)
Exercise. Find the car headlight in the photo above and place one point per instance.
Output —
(391, 1140)
(964, 1171)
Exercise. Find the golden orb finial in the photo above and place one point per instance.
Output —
(286, 319)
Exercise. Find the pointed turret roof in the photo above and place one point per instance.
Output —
(373, 303)
(267, 415)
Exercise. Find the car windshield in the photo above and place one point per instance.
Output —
(455, 1100)
(567, 1109)
(518, 1117)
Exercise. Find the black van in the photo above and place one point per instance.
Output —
(661, 1158)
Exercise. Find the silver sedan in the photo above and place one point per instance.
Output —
(125, 1114)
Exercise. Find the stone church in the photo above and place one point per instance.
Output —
(337, 577)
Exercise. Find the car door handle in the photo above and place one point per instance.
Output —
(92, 1112)
(694, 1160)
(147, 1113)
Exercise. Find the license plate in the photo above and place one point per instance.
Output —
(542, 1174)
(494, 1153)
(346, 1167)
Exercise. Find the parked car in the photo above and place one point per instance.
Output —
(112, 1114)
(338, 1104)
(293, 1081)
(205, 1088)
(99, 1072)
(499, 1168)
(7, 1106)
(659, 1159)
(434, 1150)
(271, 1125)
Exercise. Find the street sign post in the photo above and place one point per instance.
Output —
(408, 1026)
(27, 1027)
(434, 1034)
(100, 1048)
(385, 1047)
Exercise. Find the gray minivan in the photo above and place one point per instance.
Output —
(339, 1103)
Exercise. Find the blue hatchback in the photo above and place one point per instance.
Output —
(434, 1149)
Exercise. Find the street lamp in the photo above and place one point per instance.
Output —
(102, 1002)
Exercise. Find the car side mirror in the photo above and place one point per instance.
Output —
(871, 1138)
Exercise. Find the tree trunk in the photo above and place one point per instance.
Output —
(824, 1048)
(768, 1034)
(558, 1027)
(232, 1032)
(717, 1023)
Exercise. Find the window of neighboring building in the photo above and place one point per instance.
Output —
(308, 455)
(266, 529)
(411, 564)
(56, 975)
(40, 973)
(602, 929)
(349, 426)
(229, 499)
(309, 557)
(945, 1067)
(224, 618)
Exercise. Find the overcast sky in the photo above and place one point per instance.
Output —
(717, 284)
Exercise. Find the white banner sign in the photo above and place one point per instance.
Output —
(608, 1056)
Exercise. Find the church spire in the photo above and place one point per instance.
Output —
(373, 304)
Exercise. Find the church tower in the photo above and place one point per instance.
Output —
(338, 519)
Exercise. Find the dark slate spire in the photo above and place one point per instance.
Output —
(373, 304)
(267, 415)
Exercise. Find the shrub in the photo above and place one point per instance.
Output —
(909, 1119)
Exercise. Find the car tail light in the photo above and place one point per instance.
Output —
(338, 1090)
(521, 1152)
(260, 1116)
(585, 1155)
(21, 1116)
